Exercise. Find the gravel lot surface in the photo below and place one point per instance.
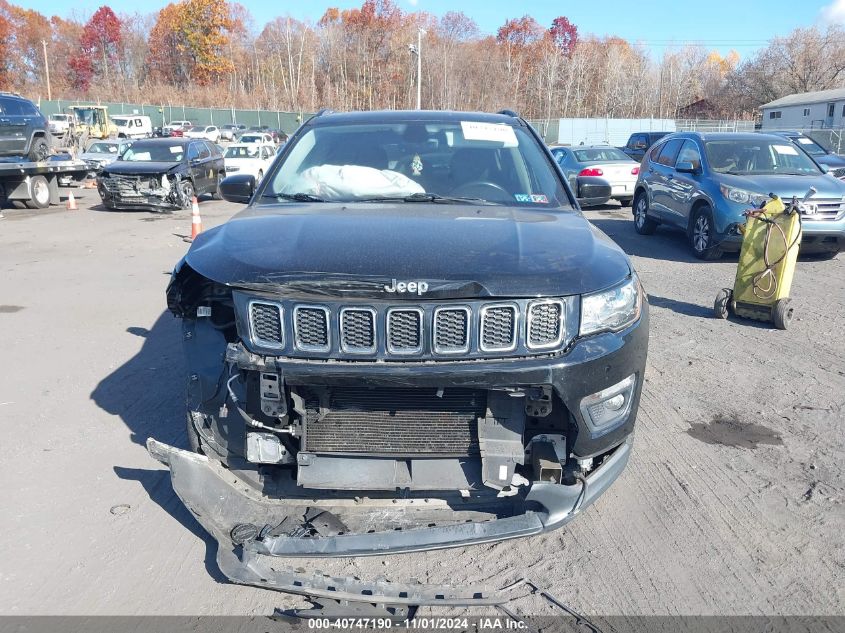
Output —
(732, 502)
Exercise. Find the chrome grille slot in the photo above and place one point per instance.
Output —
(451, 330)
(404, 330)
(265, 324)
(358, 330)
(311, 328)
(545, 324)
(498, 328)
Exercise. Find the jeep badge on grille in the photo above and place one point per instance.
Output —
(418, 287)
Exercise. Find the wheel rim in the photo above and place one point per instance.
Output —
(639, 213)
(41, 151)
(40, 192)
(701, 234)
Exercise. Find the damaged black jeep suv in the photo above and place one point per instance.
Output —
(410, 339)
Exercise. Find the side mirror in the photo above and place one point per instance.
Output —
(825, 168)
(685, 167)
(593, 191)
(238, 188)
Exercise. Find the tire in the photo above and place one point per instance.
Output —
(39, 193)
(721, 306)
(701, 235)
(39, 150)
(189, 191)
(625, 202)
(643, 224)
(782, 314)
(216, 194)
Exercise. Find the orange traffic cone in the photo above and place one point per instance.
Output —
(71, 203)
(196, 220)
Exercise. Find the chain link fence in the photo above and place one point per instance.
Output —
(163, 114)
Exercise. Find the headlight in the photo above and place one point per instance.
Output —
(742, 196)
(611, 310)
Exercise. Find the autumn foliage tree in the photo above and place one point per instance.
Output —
(190, 41)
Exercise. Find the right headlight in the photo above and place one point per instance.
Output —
(611, 310)
(735, 194)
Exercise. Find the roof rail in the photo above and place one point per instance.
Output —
(508, 113)
(323, 111)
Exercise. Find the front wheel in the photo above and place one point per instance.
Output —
(39, 193)
(188, 193)
(643, 224)
(39, 150)
(702, 235)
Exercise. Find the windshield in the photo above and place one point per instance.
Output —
(119, 120)
(87, 116)
(454, 161)
(252, 138)
(102, 148)
(158, 152)
(242, 152)
(753, 156)
(600, 155)
(810, 146)
(59, 117)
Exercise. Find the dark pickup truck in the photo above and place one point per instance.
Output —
(638, 143)
(410, 339)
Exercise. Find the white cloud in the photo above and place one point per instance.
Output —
(834, 12)
(413, 3)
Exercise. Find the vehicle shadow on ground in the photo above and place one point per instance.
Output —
(681, 307)
(157, 485)
(667, 243)
(147, 392)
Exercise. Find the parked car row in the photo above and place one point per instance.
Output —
(703, 183)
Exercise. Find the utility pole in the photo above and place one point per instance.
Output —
(417, 50)
(47, 70)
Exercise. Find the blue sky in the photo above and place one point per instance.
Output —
(743, 25)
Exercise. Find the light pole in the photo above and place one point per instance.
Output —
(47, 69)
(417, 50)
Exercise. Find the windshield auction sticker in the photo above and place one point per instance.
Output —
(495, 132)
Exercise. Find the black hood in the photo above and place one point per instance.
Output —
(128, 167)
(460, 251)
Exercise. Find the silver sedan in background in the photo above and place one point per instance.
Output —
(604, 161)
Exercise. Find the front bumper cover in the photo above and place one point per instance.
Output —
(220, 504)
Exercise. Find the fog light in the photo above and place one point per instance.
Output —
(264, 448)
(606, 409)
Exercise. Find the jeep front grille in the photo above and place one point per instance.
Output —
(545, 324)
(311, 328)
(367, 330)
(498, 328)
(358, 330)
(265, 321)
(451, 330)
(404, 330)
(387, 421)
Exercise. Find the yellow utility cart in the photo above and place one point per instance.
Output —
(771, 237)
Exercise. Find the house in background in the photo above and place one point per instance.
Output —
(699, 109)
(824, 109)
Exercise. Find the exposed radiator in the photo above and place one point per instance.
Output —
(394, 422)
